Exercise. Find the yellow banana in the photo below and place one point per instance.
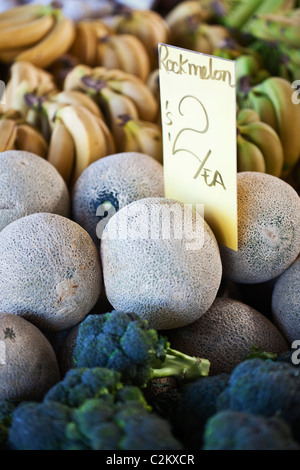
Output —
(249, 156)
(61, 152)
(132, 55)
(30, 139)
(266, 139)
(84, 46)
(7, 55)
(144, 137)
(109, 140)
(116, 105)
(106, 55)
(138, 92)
(246, 116)
(22, 12)
(149, 26)
(280, 92)
(89, 142)
(187, 9)
(77, 97)
(55, 44)
(73, 80)
(26, 34)
(8, 132)
(262, 104)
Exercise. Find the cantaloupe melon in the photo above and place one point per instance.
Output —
(28, 363)
(29, 184)
(109, 184)
(268, 229)
(226, 333)
(50, 271)
(158, 265)
(286, 302)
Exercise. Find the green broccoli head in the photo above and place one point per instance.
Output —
(237, 430)
(125, 343)
(118, 420)
(264, 387)
(83, 383)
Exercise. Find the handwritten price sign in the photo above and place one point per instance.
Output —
(198, 109)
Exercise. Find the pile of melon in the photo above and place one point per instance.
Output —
(66, 254)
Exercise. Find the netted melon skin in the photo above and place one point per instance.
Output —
(161, 279)
(286, 302)
(226, 333)
(30, 184)
(120, 179)
(28, 364)
(50, 271)
(268, 229)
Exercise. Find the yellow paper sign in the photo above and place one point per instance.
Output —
(198, 109)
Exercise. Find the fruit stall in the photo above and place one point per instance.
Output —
(121, 327)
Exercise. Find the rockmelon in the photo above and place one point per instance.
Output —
(28, 366)
(226, 333)
(50, 271)
(30, 184)
(161, 261)
(109, 184)
(268, 229)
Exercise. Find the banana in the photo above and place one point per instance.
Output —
(84, 46)
(246, 116)
(137, 91)
(267, 7)
(144, 137)
(109, 140)
(77, 97)
(209, 37)
(31, 140)
(277, 27)
(240, 14)
(131, 55)
(55, 44)
(148, 26)
(8, 132)
(73, 80)
(280, 92)
(249, 156)
(23, 12)
(61, 152)
(263, 106)
(186, 9)
(29, 33)
(8, 55)
(267, 140)
(90, 144)
(106, 55)
(116, 105)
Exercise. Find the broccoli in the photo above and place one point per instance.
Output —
(264, 387)
(7, 406)
(124, 342)
(238, 430)
(197, 404)
(103, 416)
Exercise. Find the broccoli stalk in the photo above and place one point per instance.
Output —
(125, 343)
(177, 364)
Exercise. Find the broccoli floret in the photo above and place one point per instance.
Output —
(124, 342)
(266, 388)
(197, 404)
(7, 407)
(80, 384)
(237, 430)
(112, 417)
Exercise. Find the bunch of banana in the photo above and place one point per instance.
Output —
(25, 83)
(147, 25)
(142, 136)
(78, 138)
(258, 146)
(277, 27)
(35, 33)
(273, 101)
(16, 134)
(88, 33)
(242, 16)
(124, 90)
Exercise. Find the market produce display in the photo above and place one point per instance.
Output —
(121, 328)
